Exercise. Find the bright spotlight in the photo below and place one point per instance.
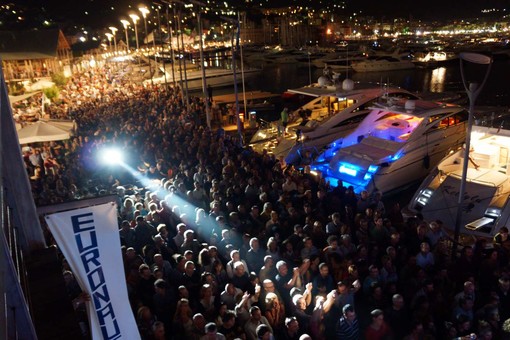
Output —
(111, 156)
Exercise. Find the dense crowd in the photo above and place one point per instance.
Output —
(222, 243)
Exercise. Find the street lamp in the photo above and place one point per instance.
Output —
(126, 23)
(309, 68)
(473, 89)
(135, 19)
(114, 32)
(109, 36)
(145, 11)
(235, 49)
(202, 65)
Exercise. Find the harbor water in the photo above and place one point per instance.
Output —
(278, 78)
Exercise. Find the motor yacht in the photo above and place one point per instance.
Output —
(434, 58)
(485, 207)
(333, 113)
(396, 144)
(341, 63)
(216, 77)
(382, 63)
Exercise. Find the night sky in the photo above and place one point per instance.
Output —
(100, 12)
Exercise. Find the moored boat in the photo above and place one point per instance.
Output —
(486, 203)
(382, 63)
(396, 144)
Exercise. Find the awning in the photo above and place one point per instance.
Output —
(41, 131)
(15, 99)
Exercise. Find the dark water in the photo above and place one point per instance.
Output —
(496, 92)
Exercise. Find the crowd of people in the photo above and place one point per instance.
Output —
(222, 243)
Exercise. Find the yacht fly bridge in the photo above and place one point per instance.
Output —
(348, 109)
(396, 144)
(330, 97)
(323, 105)
(486, 206)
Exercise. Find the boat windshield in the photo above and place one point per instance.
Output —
(395, 126)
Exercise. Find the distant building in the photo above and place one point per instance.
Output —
(34, 54)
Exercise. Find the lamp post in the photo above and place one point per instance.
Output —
(126, 23)
(309, 68)
(114, 32)
(202, 65)
(158, 7)
(135, 19)
(145, 11)
(235, 48)
(184, 71)
(109, 36)
(158, 68)
(180, 55)
(170, 39)
(473, 89)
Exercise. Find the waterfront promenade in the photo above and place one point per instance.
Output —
(239, 239)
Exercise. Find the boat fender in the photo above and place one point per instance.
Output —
(426, 161)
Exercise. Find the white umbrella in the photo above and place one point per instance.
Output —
(39, 85)
(41, 132)
(15, 99)
(63, 124)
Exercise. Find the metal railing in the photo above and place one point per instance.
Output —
(21, 231)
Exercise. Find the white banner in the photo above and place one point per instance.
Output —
(89, 239)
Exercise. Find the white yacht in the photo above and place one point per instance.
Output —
(341, 62)
(216, 77)
(382, 63)
(334, 113)
(396, 144)
(434, 58)
(486, 200)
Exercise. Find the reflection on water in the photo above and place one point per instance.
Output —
(279, 78)
(437, 79)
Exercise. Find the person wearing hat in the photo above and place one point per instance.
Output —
(345, 294)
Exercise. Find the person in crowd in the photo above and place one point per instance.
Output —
(208, 194)
(348, 326)
(274, 311)
(255, 256)
(378, 329)
(211, 332)
(323, 283)
(235, 257)
(291, 331)
(183, 319)
(397, 317)
(425, 259)
(256, 319)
